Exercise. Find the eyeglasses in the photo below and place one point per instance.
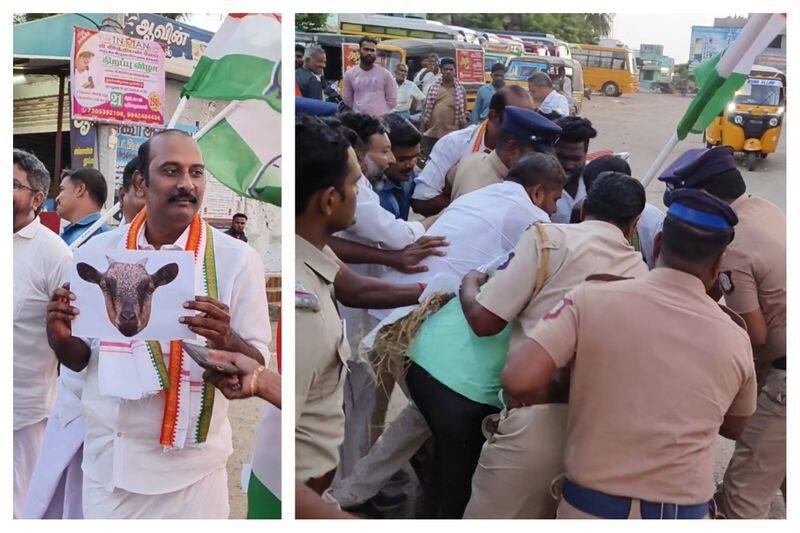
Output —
(18, 186)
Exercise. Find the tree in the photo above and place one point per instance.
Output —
(601, 23)
(569, 27)
(313, 22)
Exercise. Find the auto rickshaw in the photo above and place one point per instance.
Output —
(519, 69)
(752, 122)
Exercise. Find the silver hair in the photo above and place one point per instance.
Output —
(37, 173)
(313, 49)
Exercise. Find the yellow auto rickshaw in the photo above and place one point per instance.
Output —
(752, 122)
(519, 69)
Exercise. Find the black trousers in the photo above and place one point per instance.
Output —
(455, 422)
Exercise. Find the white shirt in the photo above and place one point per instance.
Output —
(377, 227)
(426, 81)
(405, 93)
(122, 447)
(41, 264)
(649, 224)
(446, 153)
(567, 202)
(557, 102)
(480, 226)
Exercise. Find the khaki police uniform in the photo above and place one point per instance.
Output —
(476, 171)
(647, 402)
(525, 452)
(321, 354)
(754, 277)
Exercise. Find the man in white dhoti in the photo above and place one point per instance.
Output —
(157, 446)
(41, 263)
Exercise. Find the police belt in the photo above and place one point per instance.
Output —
(612, 507)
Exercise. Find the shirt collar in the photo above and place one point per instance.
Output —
(679, 279)
(518, 189)
(179, 244)
(88, 220)
(497, 163)
(316, 259)
(29, 231)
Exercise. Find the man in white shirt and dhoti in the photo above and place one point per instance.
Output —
(41, 263)
(156, 446)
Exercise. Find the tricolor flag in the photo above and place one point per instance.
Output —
(241, 62)
(722, 75)
(243, 150)
(264, 485)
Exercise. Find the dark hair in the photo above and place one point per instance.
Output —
(691, 243)
(239, 215)
(540, 79)
(615, 198)
(95, 183)
(447, 61)
(366, 39)
(127, 174)
(364, 125)
(320, 158)
(727, 185)
(538, 169)
(498, 66)
(576, 130)
(299, 47)
(402, 133)
(607, 163)
(34, 169)
(143, 155)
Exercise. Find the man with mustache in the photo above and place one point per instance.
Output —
(397, 185)
(369, 88)
(159, 451)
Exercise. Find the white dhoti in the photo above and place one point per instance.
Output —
(207, 498)
(27, 443)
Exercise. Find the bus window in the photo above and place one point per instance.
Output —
(522, 71)
(618, 61)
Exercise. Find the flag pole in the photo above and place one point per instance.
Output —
(216, 120)
(659, 161)
(178, 112)
(105, 217)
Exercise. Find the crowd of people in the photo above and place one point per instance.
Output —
(565, 348)
(90, 439)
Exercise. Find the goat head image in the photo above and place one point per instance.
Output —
(128, 291)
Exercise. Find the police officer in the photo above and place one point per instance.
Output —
(523, 131)
(753, 280)
(658, 369)
(526, 450)
(327, 174)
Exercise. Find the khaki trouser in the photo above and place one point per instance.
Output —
(758, 466)
(565, 510)
(518, 463)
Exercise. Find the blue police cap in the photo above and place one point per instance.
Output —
(700, 209)
(528, 125)
(697, 165)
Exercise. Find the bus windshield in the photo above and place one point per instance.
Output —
(759, 92)
(521, 71)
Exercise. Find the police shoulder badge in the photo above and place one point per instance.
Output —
(305, 299)
(726, 282)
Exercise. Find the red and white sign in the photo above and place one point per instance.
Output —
(469, 66)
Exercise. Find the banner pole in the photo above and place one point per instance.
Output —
(178, 112)
(105, 217)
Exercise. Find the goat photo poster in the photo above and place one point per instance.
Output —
(126, 295)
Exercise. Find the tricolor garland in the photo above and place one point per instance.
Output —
(170, 379)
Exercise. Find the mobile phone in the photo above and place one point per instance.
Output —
(200, 355)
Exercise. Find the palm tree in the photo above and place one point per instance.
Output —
(601, 23)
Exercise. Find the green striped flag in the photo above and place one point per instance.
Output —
(243, 151)
(264, 487)
(722, 75)
(241, 60)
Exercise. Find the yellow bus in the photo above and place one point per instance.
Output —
(386, 27)
(608, 69)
